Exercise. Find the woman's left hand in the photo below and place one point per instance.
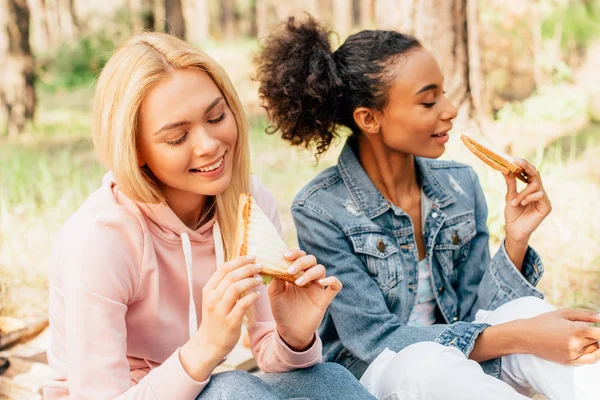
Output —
(525, 210)
(298, 310)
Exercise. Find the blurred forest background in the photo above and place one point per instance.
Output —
(524, 74)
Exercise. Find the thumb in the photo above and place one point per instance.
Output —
(276, 286)
(511, 187)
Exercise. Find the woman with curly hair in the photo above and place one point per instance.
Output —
(425, 311)
(146, 295)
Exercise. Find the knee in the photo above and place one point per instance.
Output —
(232, 383)
(523, 307)
(329, 370)
(425, 361)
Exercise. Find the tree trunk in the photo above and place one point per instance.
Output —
(262, 18)
(448, 28)
(17, 95)
(196, 17)
(366, 13)
(175, 21)
(227, 18)
(142, 14)
(342, 13)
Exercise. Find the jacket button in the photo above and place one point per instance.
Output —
(380, 245)
(434, 215)
(441, 289)
(455, 319)
(455, 239)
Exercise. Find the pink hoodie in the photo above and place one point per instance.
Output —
(120, 307)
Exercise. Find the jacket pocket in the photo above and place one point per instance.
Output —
(453, 241)
(380, 254)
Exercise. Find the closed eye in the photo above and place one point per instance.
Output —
(429, 105)
(217, 120)
(178, 141)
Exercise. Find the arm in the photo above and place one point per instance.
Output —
(366, 327)
(487, 283)
(92, 277)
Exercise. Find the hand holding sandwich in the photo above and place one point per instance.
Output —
(298, 308)
(524, 211)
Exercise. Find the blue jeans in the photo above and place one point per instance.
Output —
(322, 381)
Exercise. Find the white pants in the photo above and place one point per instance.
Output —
(430, 371)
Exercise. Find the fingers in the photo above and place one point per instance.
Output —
(302, 263)
(592, 332)
(532, 198)
(243, 305)
(236, 290)
(293, 254)
(511, 187)
(588, 358)
(235, 275)
(528, 168)
(574, 314)
(311, 274)
(332, 287)
(533, 187)
(227, 267)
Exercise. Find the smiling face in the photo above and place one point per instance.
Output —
(417, 116)
(187, 136)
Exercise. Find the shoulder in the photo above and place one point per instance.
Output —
(100, 244)
(326, 184)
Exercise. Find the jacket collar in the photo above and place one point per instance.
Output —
(366, 196)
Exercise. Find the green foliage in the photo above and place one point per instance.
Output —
(550, 104)
(78, 62)
(577, 20)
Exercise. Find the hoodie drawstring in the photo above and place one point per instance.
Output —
(187, 252)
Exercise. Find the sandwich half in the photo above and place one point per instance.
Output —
(494, 158)
(256, 235)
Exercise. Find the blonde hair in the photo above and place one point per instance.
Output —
(136, 67)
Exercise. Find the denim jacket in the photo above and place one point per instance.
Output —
(369, 244)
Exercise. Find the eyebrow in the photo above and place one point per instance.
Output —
(432, 86)
(172, 125)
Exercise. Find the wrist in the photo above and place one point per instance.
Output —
(498, 341)
(517, 241)
(199, 360)
(295, 343)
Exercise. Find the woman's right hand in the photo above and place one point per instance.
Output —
(223, 310)
(563, 336)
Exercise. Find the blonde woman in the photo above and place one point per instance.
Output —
(142, 304)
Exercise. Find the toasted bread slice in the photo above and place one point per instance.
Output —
(257, 236)
(494, 158)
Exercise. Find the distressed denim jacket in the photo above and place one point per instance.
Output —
(369, 244)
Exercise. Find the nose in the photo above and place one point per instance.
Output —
(449, 112)
(203, 143)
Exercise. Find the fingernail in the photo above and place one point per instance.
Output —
(258, 293)
(323, 281)
(288, 254)
(513, 202)
(249, 257)
(258, 278)
(300, 281)
(291, 270)
(258, 267)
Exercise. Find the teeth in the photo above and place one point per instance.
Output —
(212, 167)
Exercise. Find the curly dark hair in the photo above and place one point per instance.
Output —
(309, 92)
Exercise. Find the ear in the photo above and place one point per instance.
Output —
(367, 120)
